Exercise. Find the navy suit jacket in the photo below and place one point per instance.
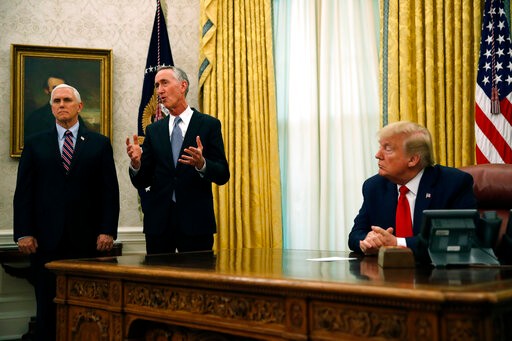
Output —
(440, 188)
(73, 209)
(194, 198)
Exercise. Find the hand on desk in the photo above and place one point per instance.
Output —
(376, 238)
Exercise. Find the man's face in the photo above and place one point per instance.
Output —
(393, 161)
(52, 83)
(169, 89)
(65, 106)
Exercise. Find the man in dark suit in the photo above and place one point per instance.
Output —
(182, 155)
(406, 159)
(64, 210)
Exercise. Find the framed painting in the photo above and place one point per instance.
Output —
(36, 70)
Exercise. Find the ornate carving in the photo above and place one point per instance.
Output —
(117, 326)
(423, 330)
(115, 289)
(464, 329)
(360, 323)
(89, 325)
(90, 289)
(296, 315)
(261, 310)
(181, 333)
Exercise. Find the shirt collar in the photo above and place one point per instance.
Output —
(61, 130)
(414, 183)
(185, 116)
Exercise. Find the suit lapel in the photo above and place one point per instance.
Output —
(391, 197)
(190, 136)
(192, 130)
(162, 140)
(53, 138)
(423, 197)
(80, 143)
(81, 140)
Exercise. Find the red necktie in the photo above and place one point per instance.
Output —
(403, 215)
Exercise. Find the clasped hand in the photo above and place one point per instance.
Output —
(377, 238)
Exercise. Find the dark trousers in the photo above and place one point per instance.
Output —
(46, 287)
(45, 290)
(172, 240)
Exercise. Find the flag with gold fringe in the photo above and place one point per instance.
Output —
(150, 108)
(159, 54)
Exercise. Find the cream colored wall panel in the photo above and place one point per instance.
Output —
(123, 26)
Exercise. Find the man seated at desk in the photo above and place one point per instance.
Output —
(408, 182)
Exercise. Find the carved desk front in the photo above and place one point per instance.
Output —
(274, 294)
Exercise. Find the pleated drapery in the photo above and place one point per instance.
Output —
(429, 59)
(236, 85)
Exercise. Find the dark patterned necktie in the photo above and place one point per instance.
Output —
(67, 150)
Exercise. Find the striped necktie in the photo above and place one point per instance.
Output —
(67, 150)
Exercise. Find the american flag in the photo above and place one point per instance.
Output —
(493, 95)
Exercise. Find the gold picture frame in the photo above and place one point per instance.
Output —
(33, 67)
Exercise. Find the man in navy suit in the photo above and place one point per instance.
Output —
(179, 213)
(63, 211)
(406, 159)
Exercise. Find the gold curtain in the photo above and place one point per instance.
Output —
(236, 85)
(429, 59)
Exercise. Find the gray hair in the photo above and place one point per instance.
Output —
(179, 74)
(75, 92)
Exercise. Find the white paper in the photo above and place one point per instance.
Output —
(330, 259)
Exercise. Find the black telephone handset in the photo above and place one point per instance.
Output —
(488, 230)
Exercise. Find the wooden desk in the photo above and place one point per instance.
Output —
(273, 294)
(18, 265)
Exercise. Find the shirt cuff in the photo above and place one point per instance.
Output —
(202, 170)
(401, 242)
(133, 170)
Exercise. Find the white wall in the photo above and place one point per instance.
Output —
(123, 26)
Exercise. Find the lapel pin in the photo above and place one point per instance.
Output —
(83, 139)
(427, 196)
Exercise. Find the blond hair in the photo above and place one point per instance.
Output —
(417, 139)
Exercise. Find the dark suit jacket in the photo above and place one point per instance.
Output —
(194, 198)
(440, 188)
(75, 208)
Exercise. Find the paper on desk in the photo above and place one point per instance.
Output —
(330, 259)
